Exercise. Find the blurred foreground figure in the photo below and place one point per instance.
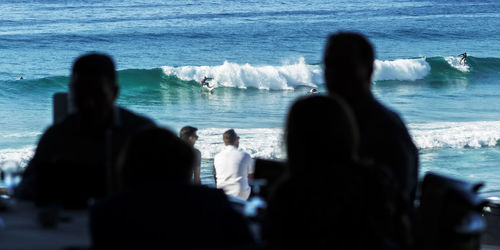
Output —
(158, 207)
(74, 158)
(330, 199)
(348, 60)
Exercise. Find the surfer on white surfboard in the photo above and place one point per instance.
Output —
(463, 55)
(205, 81)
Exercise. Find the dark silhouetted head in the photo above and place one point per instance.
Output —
(320, 132)
(93, 87)
(231, 138)
(348, 61)
(155, 155)
(188, 134)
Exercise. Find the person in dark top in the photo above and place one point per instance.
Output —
(330, 198)
(188, 134)
(74, 158)
(159, 208)
(348, 60)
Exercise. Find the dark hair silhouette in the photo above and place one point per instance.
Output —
(155, 154)
(186, 132)
(93, 87)
(320, 131)
(348, 60)
(230, 137)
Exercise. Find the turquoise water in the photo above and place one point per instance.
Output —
(262, 56)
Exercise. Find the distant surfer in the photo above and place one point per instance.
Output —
(205, 81)
(20, 78)
(464, 56)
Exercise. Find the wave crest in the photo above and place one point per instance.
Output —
(285, 77)
(456, 134)
(401, 69)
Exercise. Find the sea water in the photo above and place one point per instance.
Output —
(262, 56)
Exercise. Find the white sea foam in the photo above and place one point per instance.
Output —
(268, 142)
(21, 135)
(287, 76)
(455, 63)
(20, 156)
(401, 69)
(291, 75)
(456, 134)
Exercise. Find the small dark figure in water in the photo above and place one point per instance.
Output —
(463, 57)
(313, 91)
(74, 158)
(20, 78)
(205, 81)
(158, 207)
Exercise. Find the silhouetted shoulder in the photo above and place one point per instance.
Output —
(174, 215)
(129, 119)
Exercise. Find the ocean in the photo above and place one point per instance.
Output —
(262, 55)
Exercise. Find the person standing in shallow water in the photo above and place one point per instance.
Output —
(188, 134)
(349, 61)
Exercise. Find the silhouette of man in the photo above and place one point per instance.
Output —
(348, 60)
(308, 210)
(233, 167)
(188, 134)
(157, 207)
(74, 158)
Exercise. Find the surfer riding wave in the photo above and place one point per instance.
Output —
(464, 56)
(205, 81)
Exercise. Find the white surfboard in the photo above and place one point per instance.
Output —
(208, 88)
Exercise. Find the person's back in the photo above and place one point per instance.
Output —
(74, 158)
(348, 60)
(232, 168)
(157, 207)
(329, 199)
(166, 215)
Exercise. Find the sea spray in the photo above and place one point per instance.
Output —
(401, 69)
(284, 77)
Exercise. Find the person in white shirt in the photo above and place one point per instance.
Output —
(233, 167)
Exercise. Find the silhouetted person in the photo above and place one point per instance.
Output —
(329, 199)
(74, 158)
(188, 134)
(348, 60)
(233, 167)
(159, 208)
